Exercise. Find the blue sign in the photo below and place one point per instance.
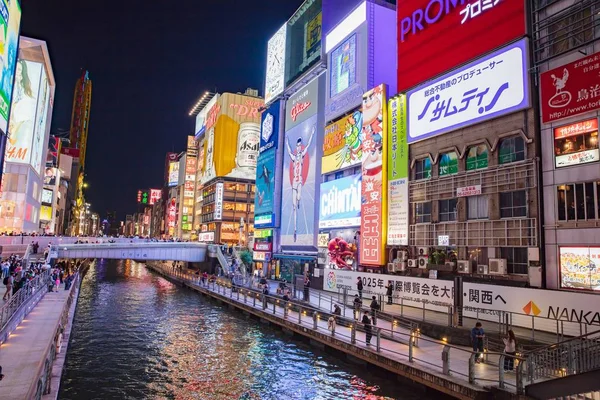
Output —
(269, 132)
(340, 203)
(492, 86)
(265, 187)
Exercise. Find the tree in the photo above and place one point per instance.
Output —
(246, 257)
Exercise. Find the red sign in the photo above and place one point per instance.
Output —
(591, 125)
(262, 246)
(155, 195)
(70, 151)
(571, 89)
(298, 109)
(435, 36)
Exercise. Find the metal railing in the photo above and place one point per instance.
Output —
(21, 303)
(395, 343)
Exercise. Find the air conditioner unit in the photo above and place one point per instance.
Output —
(402, 255)
(401, 266)
(450, 264)
(482, 269)
(464, 266)
(391, 268)
(412, 263)
(497, 266)
(423, 251)
(423, 262)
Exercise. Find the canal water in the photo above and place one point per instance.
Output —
(138, 336)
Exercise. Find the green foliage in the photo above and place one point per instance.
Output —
(246, 257)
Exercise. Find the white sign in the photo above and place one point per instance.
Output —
(398, 207)
(494, 85)
(467, 191)
(443, 240)
(582, 157)
(259, 255)
(275, 80)
(206, 237)
(219, 201)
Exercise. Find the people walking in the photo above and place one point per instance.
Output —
(510, 349)
(357, 307)
(389, 291)
(368, 329)
(359, 286)
(477, 335)
(375, 307)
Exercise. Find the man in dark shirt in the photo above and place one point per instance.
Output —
(374, 309)
(367, 323)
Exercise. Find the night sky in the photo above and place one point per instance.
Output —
(149, 62)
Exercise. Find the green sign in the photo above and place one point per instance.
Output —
(263, 233)
(477, 157)
(448, 164)
(398, 151)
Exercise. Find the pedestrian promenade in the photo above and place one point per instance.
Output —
(422, 361)
(23, 355)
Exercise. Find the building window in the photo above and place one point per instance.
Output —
(423, 169)
(577, 201)
(477, 157)
(448, 163)
(423, 212)
(516, 259)
(511, 150)
(339, 175)
(448, 210)
(477, 207)
(570, 30)
(513, 204)
(576, 144)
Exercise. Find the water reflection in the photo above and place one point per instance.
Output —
(138, 336)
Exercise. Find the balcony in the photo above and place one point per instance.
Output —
(494, 179)
(520, 232)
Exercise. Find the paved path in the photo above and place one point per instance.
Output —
(427, 356)
(22, 356)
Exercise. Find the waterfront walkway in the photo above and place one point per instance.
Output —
(24, 354)
(422, 360)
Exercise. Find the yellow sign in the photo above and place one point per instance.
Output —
(342, 145)
(323, 240)
(46, 213)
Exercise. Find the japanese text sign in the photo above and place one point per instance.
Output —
(571, 89)
(219, 201)
(494, 85)
(374, 183)
(435, 36)
(155, 195)
(591, 125)
(466, 191)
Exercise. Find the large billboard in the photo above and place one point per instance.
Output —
(374, 181)
(340, 203)
(173, 179)
(580, 268)
(10, 20)
(275, 79)
(264, 202)
(570, 89)
(232, 116)
(489, 87)
(435, 36)
(37, 148)
(398, 199)
(269, 133)
(54, 145)
(303, 47)
(342, 144)
(23, 112)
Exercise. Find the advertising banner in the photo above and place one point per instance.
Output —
(219, 201)
(143, 197)
(275, 79)
(265, 184)
(494, 85)
(54, 144)
(374, 180)
(206, 237)
(299, 185)
(37, 148)
(233, 116)
(343, 66)
(201, 117)
(10, 21)
(173, 173)
(436, 36)
(192, 147)
(47, 195)
(46, 213)
(269, 134)
(342, 145)
(302, 105)
(576, 143)
(571, 89)
(398, 200)
(467, 191)
(340, 203)
(155, 195)
(23, 112)
(580, 268)
(303, 44)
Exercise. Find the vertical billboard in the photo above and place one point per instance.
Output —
(232, 116)
(10, 20)
(37, 148)
(173, 179)
(398, 200)
(23, 112)
(54, 145)
(300, 189)
(435, 36)
(265, 188)
(275, 79)
(374, 181)
(342, 144)
(303, 47)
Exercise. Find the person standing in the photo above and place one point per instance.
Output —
(510, 349)
(307, 288)
(477, 335)
(368, 329)
(8, 282)
(357, 306)
(374, 309)
(359, 286)
(389, 291)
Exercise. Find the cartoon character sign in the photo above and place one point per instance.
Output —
(341, 254)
